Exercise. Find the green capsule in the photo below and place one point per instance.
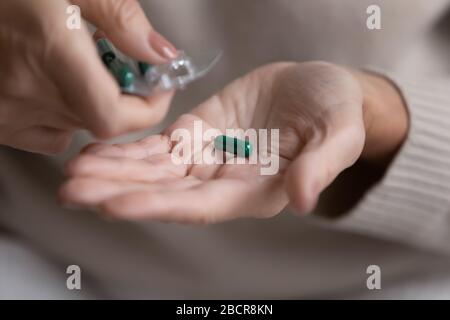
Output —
(122, 72)
(106, 51)
(143, 67)
(241, 148)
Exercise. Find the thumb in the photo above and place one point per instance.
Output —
(319, 163)
(125, 24)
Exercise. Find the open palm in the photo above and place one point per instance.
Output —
(316, 106)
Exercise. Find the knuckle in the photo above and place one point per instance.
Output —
(76, 165)
(146, 122)
(106, 131)
(107, 128)
(124, 11)
(160, 115)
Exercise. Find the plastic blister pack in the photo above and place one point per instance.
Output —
(142, 79)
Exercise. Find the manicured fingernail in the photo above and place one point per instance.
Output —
(99, 34)
(162, 46)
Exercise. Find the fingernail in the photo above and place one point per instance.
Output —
(162, 46)
(99, 34)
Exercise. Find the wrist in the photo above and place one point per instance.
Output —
(385, 115)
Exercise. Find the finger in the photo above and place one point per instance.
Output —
(89, 191)
(125, 24)
(135, 113)
(84, 191)
(209, 202)
(41, 140)
(318, 165)
(156, 168)
(142, 149)
(302, 180)
(93, 95)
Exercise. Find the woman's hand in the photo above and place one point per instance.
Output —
(53, 82)
(328, 118)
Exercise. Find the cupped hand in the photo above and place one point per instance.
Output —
(318, 109)
(53, 82)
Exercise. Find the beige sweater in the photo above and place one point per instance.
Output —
(402, 223)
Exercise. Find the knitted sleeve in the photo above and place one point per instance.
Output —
(411, 203)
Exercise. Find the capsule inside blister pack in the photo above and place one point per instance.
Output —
(142, 79)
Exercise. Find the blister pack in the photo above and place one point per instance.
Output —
(142, 79)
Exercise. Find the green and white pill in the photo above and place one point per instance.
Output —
(105, 50)
(143, 67)
(241, 148)
(122, 72)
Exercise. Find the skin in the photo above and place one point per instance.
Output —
(53, 81)
(329, 117)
